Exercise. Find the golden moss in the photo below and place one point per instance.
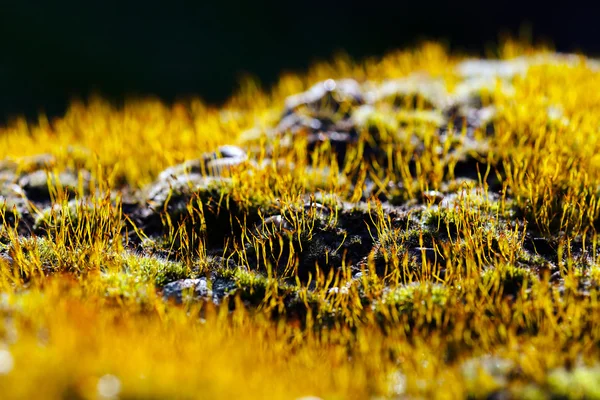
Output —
(489, 289)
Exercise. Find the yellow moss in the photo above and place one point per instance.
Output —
(82, 318)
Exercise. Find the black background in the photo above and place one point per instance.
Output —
(54, 50)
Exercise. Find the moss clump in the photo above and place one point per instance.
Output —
(32, 254)
(582, 382)
(507, 280)
(45, 186)
(416, 305)
(305, 242)
(122, 286)
(198, 210)
(156, 270)
(54, 216)
(487, 375)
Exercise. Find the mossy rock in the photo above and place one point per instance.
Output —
(411, 93)
(201, 207)
(507, 280)
(186, 290)
(89, 220)
(212, 164)
(57, 214)
(290, 254)
(326, 99)
(303, 241)
(13, 203)
(43, 186)
(30, 251)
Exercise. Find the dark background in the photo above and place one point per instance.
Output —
(51, 51)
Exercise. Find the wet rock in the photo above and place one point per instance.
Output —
(498, 370)
(326, 99)
(75, 212)
(425, 254)
(7, 259)
(275, 223)
(174, 192)
(213, 164)
(294, 123)
(411, 93)
(222, 287)
(39, 185)
(177, 172)
(318, 208)
(433, 197)
(203, 207)
(506, 69)
(229, 151)
(328, 244)
(541, 246)
(185, 290)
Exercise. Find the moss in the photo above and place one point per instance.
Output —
(55, 215)
(156, 270)
(44, 186)
(405, 297)
(36, 249)
(416, 305)
(91, 220)
(124, 286)
(416, 93)
(374, 120)
(252, 287)
(203, 209)
(42, 255)
(486, 375)
(10, 210)
(311, 245)
(581, 382)
(509, 311)
(507, 279)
